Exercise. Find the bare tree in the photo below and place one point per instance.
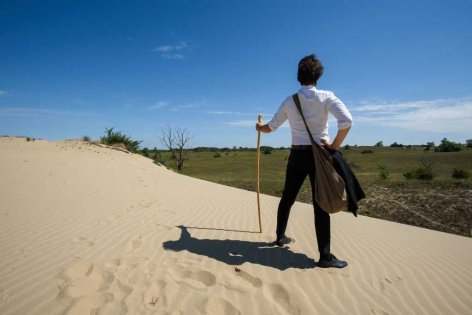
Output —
(176, 141)
(427, 164)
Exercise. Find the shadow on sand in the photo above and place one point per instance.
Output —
(235, 252)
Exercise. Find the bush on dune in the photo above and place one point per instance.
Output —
(116, 137)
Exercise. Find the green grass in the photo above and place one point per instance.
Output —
(446, 208)
(239, 168)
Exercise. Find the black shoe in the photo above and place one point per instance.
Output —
(330, 261)
(284, 240)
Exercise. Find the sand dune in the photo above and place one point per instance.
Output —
(86, 229)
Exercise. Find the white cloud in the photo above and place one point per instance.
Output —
(217, 112)
(159, 105)
(163, 48)
(170, 52)
(442, 115)
(172, 106)
(224, 112)
(242, 123)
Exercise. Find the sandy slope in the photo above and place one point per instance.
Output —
(85, 228)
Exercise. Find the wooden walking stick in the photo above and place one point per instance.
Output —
(259, 120)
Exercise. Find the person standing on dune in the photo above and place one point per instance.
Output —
(316, 105)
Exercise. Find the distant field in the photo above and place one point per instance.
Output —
(443, 204)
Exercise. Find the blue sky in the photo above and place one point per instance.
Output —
(72, 68)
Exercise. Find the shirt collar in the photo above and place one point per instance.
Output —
(307, 90)
(307, 87)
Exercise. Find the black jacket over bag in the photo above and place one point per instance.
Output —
(354, 190)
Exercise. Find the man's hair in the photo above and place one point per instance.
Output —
(310, 70)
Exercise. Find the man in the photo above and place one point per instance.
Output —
(315, 106)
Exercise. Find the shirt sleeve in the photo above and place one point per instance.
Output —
(279, 117)
(336, 107)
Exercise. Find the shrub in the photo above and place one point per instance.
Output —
(379, 144)
(428, 146)
(114, 137)
(425, 171)
(217, 155)
(266, 150)
(383, 172)
(420, 173)
(460, 174)
(86, 139)
(468, 143)
(157, 159)
(347, 147)
(448, 146)
(145, 152)
(366, 151)
(396, 145)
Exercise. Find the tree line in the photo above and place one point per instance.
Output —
(177, 141)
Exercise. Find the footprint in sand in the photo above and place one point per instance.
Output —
(216, 305)
(145, 204)
(83, 242)
(23, 253)
(91, 281)
(85, 286)
(120, 293)
(384, 283)
(89, 304)
(150, 268)
(241, 281)
(135, 243)
(169, 211)
(197, 279)
(113, 264)
(76, 270)
(378, 312)
(4, 297)
(169, 261)
(279, 295)
(157, 226)
(113, 218)
(254, 281)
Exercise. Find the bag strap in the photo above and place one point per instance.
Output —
(321, 149)
(296, 99)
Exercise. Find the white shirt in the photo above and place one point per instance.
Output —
(316, 104)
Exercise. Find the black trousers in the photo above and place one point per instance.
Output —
(300, 164)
